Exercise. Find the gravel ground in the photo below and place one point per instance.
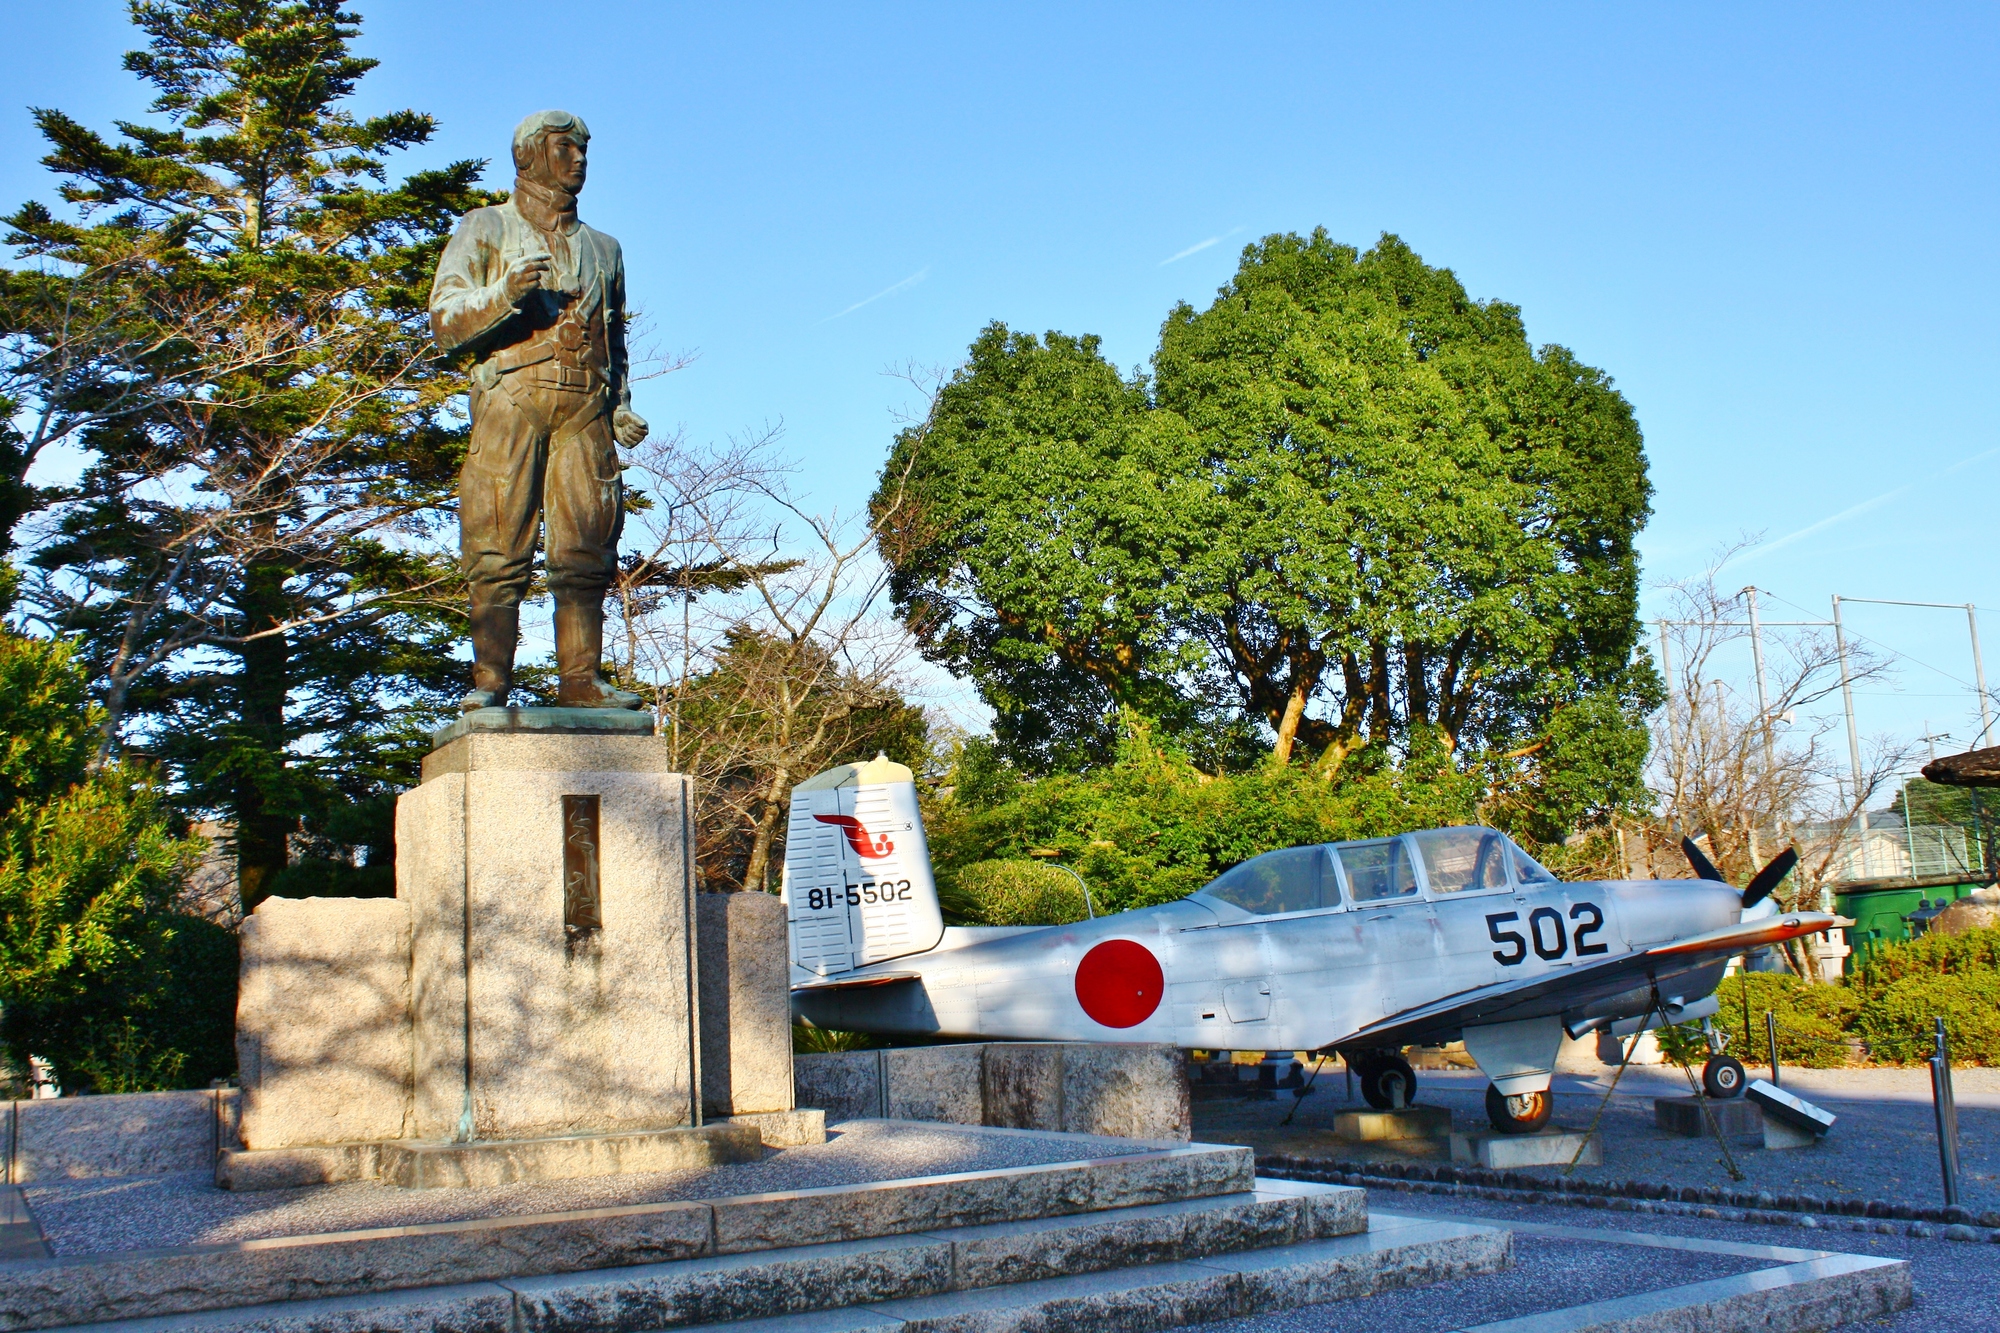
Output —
(1884, 1145)
(144, 1212)
(1547, 1275)
(1956, 1283)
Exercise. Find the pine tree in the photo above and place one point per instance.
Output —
(233, 325)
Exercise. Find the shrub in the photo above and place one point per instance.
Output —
(1896, 1020)
(1813, 1020)
(1934, 956)
(1152, 828)
(1021, 893)
(1906, 986)
(96, 973)
(163, 1018)
(822, 1041)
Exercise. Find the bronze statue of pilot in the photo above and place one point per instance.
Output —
(539, 300)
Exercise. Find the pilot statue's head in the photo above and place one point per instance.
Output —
(551, 148)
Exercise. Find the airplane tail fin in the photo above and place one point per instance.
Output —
(857, 876)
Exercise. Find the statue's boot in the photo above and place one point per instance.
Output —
(495, 630)
(579, 653)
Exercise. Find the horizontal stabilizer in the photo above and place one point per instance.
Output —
(867, 982)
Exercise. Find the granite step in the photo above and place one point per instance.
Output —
(1149, 1266)
(279, 1271)
(1394, 1252)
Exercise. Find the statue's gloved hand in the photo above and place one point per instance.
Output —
(628, 426)
(524, 275)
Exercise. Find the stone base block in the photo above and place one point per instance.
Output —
(323, 1022)
(1779, 1136)
(1510, 1152)
(1411, 1122)
(457, 1165)
(1682, 1116)
(118, 1134)
(289, 1168)
(1136, 1090)
(746, 1005)
(785, 1129)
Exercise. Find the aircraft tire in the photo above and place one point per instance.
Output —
(1723, 1078)
(1379, 1076)
(1518, 1115)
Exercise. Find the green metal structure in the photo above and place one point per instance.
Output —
(1879, 906)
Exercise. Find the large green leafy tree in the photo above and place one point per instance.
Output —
(97, 972)
(1351, 510)
(231, 322)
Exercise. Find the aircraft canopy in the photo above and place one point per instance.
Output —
(1444, 861)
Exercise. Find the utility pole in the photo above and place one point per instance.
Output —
(1667, 668)
(1757, 656)
(1979, 679)
(1847, 701)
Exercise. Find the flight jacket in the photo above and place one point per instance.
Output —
(576, 318)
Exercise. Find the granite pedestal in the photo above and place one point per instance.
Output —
(526, 1008)
(1683, 1116)
(323, 1021)
(1410, 1122)
(552, 948)
(1511, 1152)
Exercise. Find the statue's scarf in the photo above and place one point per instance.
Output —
(551, 211)
(546, 207)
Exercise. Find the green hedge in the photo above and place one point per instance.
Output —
(1019, 893)
(1934, 956)
(1891, 1005)
(1896, 1020)
(1813, 1021)
(165, 1017)
(1906, 986)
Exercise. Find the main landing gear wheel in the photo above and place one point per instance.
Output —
(1387, 1082)
(1523, 1113)
(1722, 1077)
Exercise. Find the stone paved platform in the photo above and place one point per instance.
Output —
(404, 1262)
(82, 1217)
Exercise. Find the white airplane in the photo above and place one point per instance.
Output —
(1361, 948)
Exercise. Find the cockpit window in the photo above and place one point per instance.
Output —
(1377, 870)
(1528, 870)
(1463, 860)
(1297, 879)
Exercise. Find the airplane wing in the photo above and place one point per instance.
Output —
(1573, 987)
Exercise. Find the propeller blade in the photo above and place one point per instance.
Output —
(1703, 867)
(1770, 877)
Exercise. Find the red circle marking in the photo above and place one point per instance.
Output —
(1119, 983)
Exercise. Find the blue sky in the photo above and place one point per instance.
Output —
(1774, 227)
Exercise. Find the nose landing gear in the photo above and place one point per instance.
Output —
(1523, 1113)
(1722, 1077)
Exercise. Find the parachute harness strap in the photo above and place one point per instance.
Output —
(1701, 1100)
(1623, 1060)
(1299, 1094)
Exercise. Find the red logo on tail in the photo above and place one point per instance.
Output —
(871, 845)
